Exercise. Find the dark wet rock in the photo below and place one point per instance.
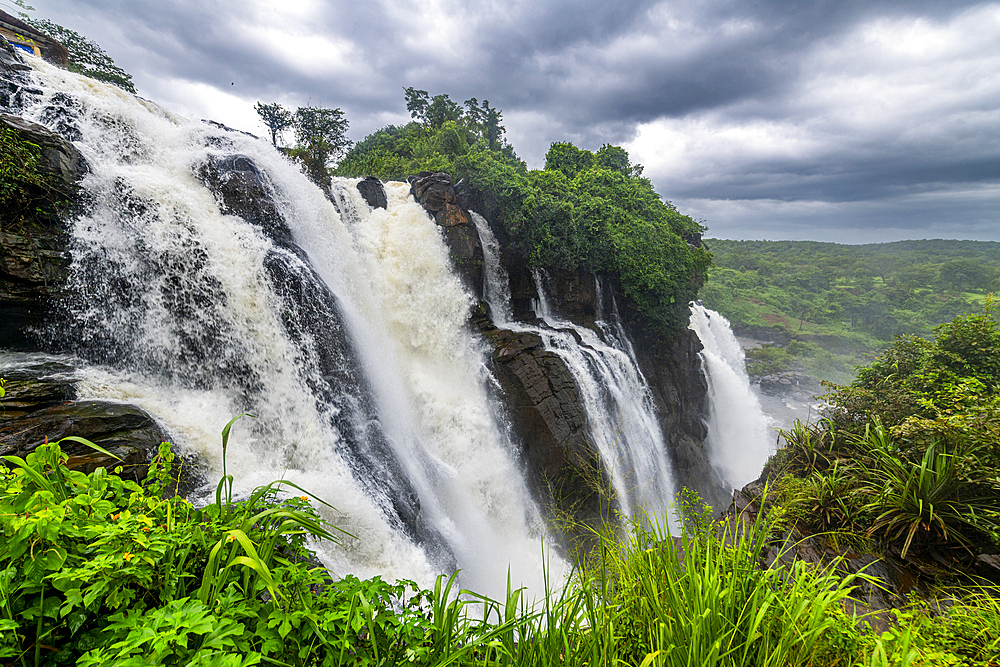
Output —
(242, 189)
(373, 192)
(35, 386)
(435, 192)
(33, 238)
(671, 365)
(59, 157)
(547, 413)
(124, 430)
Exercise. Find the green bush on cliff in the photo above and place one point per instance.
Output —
(24, 190)
(585, 211)
(911, 445)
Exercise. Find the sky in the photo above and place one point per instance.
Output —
(830, 120)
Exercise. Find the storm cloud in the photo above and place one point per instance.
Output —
(843, 121)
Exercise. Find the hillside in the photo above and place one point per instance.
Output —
(827, 304)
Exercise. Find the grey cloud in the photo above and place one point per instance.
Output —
(588, 71)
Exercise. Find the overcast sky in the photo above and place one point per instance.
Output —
(831, 120)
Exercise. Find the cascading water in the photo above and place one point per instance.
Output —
(343, 333)
(738, 435)
(622, 419)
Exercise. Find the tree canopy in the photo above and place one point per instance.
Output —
(275, 117)
(321, 135)
(85, 55)
(585, 211)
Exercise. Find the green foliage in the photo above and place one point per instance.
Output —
(275, 117)
(704, 600)
(85, 56)
(95, 570)
(850, 300)
(26, 193)
(908, 451)
(584, 211)
(322, 138)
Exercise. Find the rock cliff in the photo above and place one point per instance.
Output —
(538, 389)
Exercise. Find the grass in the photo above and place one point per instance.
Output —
(95, 570)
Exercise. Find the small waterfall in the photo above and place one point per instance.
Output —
(738, 435)
(621, 416)
(210, 278)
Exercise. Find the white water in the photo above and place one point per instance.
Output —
(195, 324)
(621, 415)
(739, 440)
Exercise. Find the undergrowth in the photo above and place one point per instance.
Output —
(97, 570)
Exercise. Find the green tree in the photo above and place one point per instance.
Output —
(485, 121)
(416, 102)
(567, 158)
(275, 117)
(322, 139)
(963, 275)
(85, 56)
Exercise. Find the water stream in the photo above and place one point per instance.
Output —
(343, 333)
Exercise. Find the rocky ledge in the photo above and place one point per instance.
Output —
(436, 193)
(40, 406)
(788, 384)
(545, 407)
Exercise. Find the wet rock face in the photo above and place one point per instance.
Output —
(40, 406)
(672, 366)
(547, 412)
(436, 193)
(33, 239)
(373, 192)
(240, 188)
(59, 158)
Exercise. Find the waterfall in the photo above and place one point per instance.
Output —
(738, 436)
(341, 329)
(622, 420)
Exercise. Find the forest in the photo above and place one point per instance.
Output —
(827, 305)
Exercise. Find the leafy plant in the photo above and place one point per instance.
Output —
(85, 55)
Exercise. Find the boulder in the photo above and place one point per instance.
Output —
(435, 192)
(240, 188)
(373, 192)
(432, 190)
(124, 430)
(59, 157)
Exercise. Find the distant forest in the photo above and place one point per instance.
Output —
(827, 304)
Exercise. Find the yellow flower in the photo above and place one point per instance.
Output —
(127, 556)
(145, 529)
(230, 538)
(304, 498)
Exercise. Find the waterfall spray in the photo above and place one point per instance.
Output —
(738, 437)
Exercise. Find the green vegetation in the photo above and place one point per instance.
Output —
(839, 301)
(908, 452)
(26, 192)
(95, 570)
(321, 136)
(85, 56)
(585, 211)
